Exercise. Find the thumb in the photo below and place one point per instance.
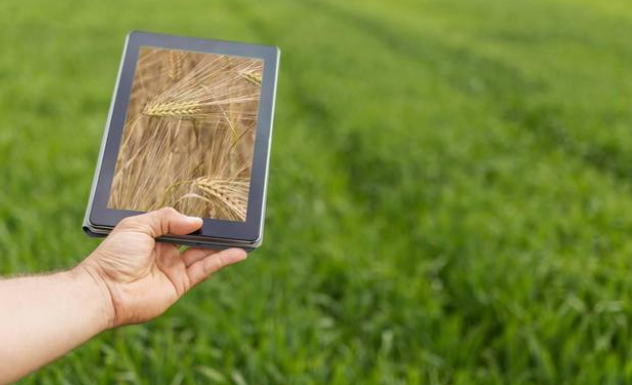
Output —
(164, 221)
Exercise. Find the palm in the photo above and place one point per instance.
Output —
(144, 277)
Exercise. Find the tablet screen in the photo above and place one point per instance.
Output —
(189, 134)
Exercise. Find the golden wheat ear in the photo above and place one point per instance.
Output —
(225, 195)
(175, 65)
(251, 76)
(211, 86)
(172, 109)
(229, 195)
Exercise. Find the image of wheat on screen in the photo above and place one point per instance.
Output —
(188, 140)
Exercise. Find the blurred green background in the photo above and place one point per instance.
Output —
(449, 198)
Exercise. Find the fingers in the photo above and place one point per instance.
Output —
(194, 254)
(202, 269)
(160, 222)
(169, 261)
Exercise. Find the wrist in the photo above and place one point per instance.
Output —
(93, 286)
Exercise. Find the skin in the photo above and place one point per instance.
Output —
(130, 278)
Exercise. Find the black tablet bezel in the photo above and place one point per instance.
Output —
(251, 229)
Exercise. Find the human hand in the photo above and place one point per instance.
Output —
(142, 277)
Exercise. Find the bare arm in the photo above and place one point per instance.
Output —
(129, 278)
(43, 317)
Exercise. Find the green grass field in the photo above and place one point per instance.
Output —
(450, 197)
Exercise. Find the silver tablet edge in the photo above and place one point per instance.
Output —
(259, 240)
(95, 179)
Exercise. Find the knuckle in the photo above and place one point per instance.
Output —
(168, 211)
(127, 222)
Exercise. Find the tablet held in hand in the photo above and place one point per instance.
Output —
(190, 128)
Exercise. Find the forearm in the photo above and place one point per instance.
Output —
(43, 317)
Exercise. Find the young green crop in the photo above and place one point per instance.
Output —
(449, 197)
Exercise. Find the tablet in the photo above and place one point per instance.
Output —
(189, 127)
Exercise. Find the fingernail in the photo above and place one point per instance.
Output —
(193, 218)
